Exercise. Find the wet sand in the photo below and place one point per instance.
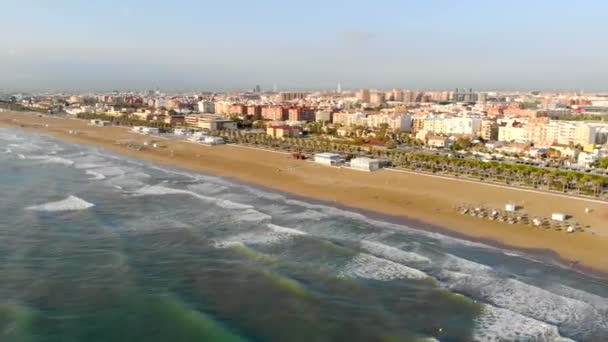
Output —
(427, 199)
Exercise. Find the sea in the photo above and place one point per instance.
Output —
(95, 246)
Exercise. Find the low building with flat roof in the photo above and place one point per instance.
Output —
(283, 131)
(328, 158)
(365, 164)
(210, 121)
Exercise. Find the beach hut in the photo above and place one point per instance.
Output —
(510, 207)
(559, 217)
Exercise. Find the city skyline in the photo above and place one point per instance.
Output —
(187, 45)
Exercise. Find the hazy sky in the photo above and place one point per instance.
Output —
(236, 44)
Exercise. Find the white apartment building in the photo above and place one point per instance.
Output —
(453, 125)
(434, 124)
(394, 121)
(206, 106)
(463, 125)
(350, 119)
(545, 134)
(512, 133)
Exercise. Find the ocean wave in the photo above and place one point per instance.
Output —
(251, 215)
(208, 188)
(575, 318)
(47, 159)
(110, 170)
(285, 230)
(496, 324)
(160, 190)
(367, 266)
(598, 302)
(332, 211)
(393, 253)
(96, 175)
(68, 204)
(26, 147)
(89, 162)
(130, 180)
(274, 234)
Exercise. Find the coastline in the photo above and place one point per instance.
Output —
(419, 201)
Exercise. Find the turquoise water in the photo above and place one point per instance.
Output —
(98, 247)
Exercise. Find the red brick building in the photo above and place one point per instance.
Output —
(237, 109)
(277, 113)
(254, 111)
(301, 114)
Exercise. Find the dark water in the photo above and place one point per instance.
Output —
(96, 247)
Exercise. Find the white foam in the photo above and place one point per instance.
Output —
(26, 146)
(274, 234)
(285, 230)
(131, 181)
(110, 171)
(574, 317)
(308, 214)
(20, 156)
(160, 190)
(96, 175)
(327, 209)
(46, 159)
(598, 302)
(458, 264)
(370, 267)
(208, 188)
(70, 203)
(332, 211)
(496, 324)
(8, 150)
(251, 215)
(393, 253)
(228, 244)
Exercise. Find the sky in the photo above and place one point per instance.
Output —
(235, 44)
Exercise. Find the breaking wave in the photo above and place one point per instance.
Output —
(159, 190)
(96, 175)
(68, 204)
(46, 159)
(496, 324)
(367, 266)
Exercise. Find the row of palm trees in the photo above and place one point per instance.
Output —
(565, 181)
(124, 120)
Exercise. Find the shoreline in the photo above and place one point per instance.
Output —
(539, 254)
(428, 206)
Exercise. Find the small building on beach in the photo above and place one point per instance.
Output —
(213, 140)
(559, 217)
(145, 130)
(182, 131)
(365, 164)
(328, 158)
(97, 122)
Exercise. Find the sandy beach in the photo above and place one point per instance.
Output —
(423, 198)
